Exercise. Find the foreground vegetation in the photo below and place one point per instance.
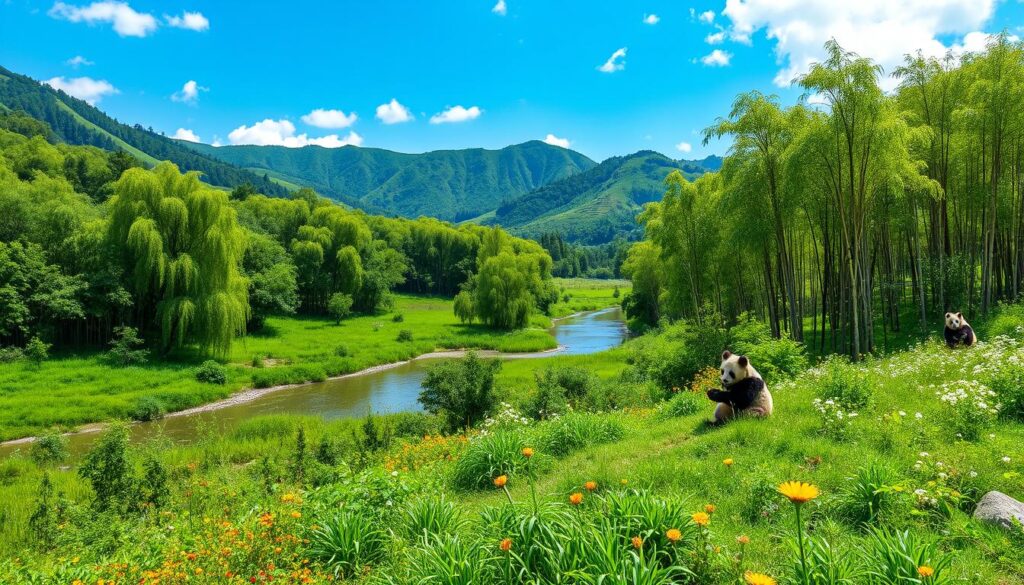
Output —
(624, 481)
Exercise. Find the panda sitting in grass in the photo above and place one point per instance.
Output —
(744, 390)
(958, 332)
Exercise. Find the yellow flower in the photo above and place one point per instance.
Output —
(500, 481)
(505, 545)
(799, 492)
(727, 462)
(743, 539)
(296, 514)
(527, 452)
(576, 499)
(673, 534)
(925, 571)
(288, 498)
(757, 579)
(638, 543)
(590, 485)
(701, 519)
(624, 481)
(709, 508)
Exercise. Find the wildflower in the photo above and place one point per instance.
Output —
(288, 498)
(576, 499)
(1006, 459)
(798, 492)
(296, 514)
(267, 519)
(638, 543)
(505, 545)
(500, 481)
(757, 579)
(624, 481)
(925, 571)
(590, 485)
(701, 519)
(727, 462)
(673, 535)
(743, 539)
(709, 508)
(527, 452)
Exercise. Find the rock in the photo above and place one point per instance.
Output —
(999, 508)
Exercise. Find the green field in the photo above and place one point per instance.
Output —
(587, 295)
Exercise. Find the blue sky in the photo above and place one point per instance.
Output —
(519, 69)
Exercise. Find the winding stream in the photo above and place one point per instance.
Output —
(386, 389)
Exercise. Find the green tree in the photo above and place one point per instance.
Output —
(339, 306)
(464, 307)
(462, 391)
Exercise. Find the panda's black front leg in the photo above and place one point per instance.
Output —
(720, 395)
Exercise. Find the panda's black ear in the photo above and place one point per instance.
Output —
(726, 354)
(743, 361)
(948, 315)
(961, 315)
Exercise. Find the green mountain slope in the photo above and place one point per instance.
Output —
(595, 206)
(76, 122)
(449, 184)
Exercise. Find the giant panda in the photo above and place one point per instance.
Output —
(744, 390)
(958, 332)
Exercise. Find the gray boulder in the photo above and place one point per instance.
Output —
(999, 508)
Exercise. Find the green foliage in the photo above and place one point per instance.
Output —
(37, 351)
(575, 431)
(464, 307)
(109, 471)
(432, 517)
(775, 358)
(346, 543)
(672, 358)
(845, 384)
(404, 336)
(49, 448)
(487, 457)
(339, 306)
(460, 390)
(1008, 384)
(148, 409)
(868, 495)
(211, 372)
(125, 348)
(684, 403)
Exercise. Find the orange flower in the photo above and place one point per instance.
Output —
(757, 579)
(267, 519)
(727, 461)
(590, 485)
(296, 514)
(709, 508)
(505, 545)
(576, 499)
(799, 492)
(527, 452)
(925, 571)
(638, 543)
(743, 539)
(673, 534)
(500, 481)
(701, 519)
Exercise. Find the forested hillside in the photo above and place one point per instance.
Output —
(447, 184)
(76, 122)
(596, 206)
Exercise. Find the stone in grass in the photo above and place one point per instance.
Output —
(999, 508)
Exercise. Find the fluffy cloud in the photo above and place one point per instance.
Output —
(282, 133)
(329, 118)
(651, 19)
(78, 61)
(556, 141)
(84, 88)
(189, 93)
(456, 114)
(715, 38)
(500, 8)
(684, 147)
(884, 30)
(186, 134)
(189, 20)
(393, 113)
(707, 16)
(617, 62)
(125, 20)
(716, 58)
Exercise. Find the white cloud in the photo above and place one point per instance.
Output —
(282, 133)
(651, 19)
(817, 99)
(976, 42)
(617, 62)
(717, 58)
(84, 88)
(189, 20)
(456, 114)
(556, 141)
(684, 147)
(186, 134)
(883, 30)
(715, 38)
(500, 8)
(707, 16)
(393, 113)
(189, 93)
(78, 61)
(125, 20)
(329, 118)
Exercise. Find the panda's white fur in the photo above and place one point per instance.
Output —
(955, 324)
(734, 369)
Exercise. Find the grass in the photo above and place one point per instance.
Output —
(587, 294)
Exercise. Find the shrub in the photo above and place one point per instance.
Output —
(867, 494)
(684, 403)
(341, 350)
(465, 308)
(673, 357)
(109, 471)
(460, 390)
(548, 400)
(431, 517)
(574, 431)
(10, 354)
(1008, 320)
(773, 358)
(211, 372)
(844, 384)
(486, 458)
(148, 408)
(125, 348)
(398, 318)
(49, 448)
(339, 306)
(404, 336)
(37, 351)
(347, 543)
(258, 361)
(973, 407)
(1008, 385)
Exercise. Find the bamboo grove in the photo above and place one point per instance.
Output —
(90, 242)
(855, 213)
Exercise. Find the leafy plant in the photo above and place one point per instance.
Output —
(347, 542)
(487, 457)
(404, 336)
(148, 408)
(575, 431)
(49, 448)
(432, 517)
(339, 306)
(37, 351)
(211, 372)
(460, 390)
(126, 347)
(844, 384)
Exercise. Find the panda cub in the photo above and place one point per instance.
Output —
(745, 390)
(958, 332)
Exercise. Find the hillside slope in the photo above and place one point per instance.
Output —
(595, 206)
(76, 122)
(448, 184)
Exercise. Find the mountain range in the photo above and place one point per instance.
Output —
(531, 188)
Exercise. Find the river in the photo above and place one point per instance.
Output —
(381, 390)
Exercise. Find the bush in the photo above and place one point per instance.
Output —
(341, 350)
(1008, 384)
(109, 471)
(486, 458)
(398, 318)
(575, 431)
(347, 543)
(404, 336)
(867, 495)
(10, 354)
(1008, 320)
(37, 351)
(49, 448)
(339, 306)
(773, 358)
(684, 403)
(460, 390)
(674, 356)
(548, 400)
(211, 372)
(125, 348)
(431, 517)
(148, 408)
(844, 384)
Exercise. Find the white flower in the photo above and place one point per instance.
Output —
(903, 413)
(1006, 459)
(922, 454)
(918, 415)
(973, 473)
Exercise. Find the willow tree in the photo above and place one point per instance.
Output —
(182, 248)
